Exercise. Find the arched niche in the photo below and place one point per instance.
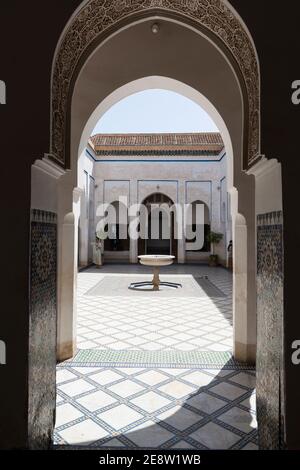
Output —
(158, 211)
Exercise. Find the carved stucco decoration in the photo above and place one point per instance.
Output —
(96, 16)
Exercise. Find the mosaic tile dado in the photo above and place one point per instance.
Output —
(177, 359)
(270, 329)
(42, 345)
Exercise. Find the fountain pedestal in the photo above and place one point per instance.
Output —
(156, 261)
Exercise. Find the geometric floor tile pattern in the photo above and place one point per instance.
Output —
(156, 409)
(185, 359)
(155, 406)
(190, 286)
(148, 322)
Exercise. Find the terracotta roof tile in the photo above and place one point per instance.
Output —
(154, 142)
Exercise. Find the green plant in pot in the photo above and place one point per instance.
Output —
(214, 239)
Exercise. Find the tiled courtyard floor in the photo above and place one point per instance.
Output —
(154, 369)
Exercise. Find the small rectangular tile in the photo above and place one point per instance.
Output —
(151, 402)
(83, 433)
(75, 388)
(96, 400)
(240, 419)
(177, 389)
(214, 437)
(226, 390)
(65, 414)
(120, 417)
(126, 389)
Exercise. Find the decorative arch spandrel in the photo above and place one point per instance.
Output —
(97, 17)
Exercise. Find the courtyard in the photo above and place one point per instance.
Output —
(129, 113)
(154, 370)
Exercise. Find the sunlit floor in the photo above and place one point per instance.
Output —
(154, 369)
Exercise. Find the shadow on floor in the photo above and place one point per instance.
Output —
(216, 416)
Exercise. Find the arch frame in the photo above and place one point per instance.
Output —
(152, 83)
(96, 20)
(62, 95)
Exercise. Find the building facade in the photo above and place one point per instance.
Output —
(100, 55)
(155, 169)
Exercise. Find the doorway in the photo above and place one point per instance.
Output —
(163, 243)
(237, 113)
(156, 369)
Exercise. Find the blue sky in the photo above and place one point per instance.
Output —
(155, 111)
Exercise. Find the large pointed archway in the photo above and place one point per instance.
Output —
(206, 37)
(95, 21)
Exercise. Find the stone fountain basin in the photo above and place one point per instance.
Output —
(156, 260)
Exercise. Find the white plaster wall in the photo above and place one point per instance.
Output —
(85, 163)
(268, 194)
(44, 184)
(114, 189)
(146, 187)
(85, 166)
(197, 178)
(182, 181)
(200, 191)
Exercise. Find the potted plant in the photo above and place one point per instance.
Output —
(214, 239)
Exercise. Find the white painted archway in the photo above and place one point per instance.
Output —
(88, 105)
(163, 83)
(193, 49)
(90, 102)
(240, 281)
